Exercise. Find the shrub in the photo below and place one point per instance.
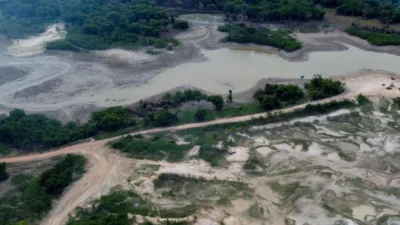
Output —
(362, 100)
(163, 117)
(320, 88)
(200, 114)
(181, 24)
(113, 118)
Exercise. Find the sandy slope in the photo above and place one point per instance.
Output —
(106, 169)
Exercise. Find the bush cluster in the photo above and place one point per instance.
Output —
(274, 94)
(241, 34)
(319, 88)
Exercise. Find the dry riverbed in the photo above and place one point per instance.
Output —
(72, 85)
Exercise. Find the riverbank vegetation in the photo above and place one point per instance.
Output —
(274, 96)
(319, 88)
(256, 11)
(385, 11)
(374, 37)
(241, 34)
(90, 24)
(30, 132)
(30, 198)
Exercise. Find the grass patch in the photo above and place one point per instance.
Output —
(374, 38)
(213, 155)
(252, 163)
(245, 109)
(208, 138)
(157, 148)
(188, 116)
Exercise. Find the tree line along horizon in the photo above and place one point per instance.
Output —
(102, 24)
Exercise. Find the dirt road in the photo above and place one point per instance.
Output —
(106, 169)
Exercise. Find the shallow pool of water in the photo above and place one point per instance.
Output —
(361, 211)
(239, 69)
(223, 69)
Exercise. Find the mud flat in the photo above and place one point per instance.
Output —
(36, 44)
(68, 84)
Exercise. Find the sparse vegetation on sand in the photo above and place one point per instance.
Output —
(289, 191)
(158, 147)
(118, 204)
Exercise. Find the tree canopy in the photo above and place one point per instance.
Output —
(280, 39)
(255, 10)
(385, 11)
(94, 24)
(319, 88)
(273, 94)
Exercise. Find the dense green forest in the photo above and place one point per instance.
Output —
(286, 10)
(31, 197)
(386, 11)
(93, 24)
(241, 34)
(374, 37)
(255, 10)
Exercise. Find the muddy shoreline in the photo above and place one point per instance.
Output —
(132, 69)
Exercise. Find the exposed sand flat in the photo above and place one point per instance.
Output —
(360, 212)
(264, 150)
(35, 45)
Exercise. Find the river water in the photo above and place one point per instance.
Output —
(47, 82)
